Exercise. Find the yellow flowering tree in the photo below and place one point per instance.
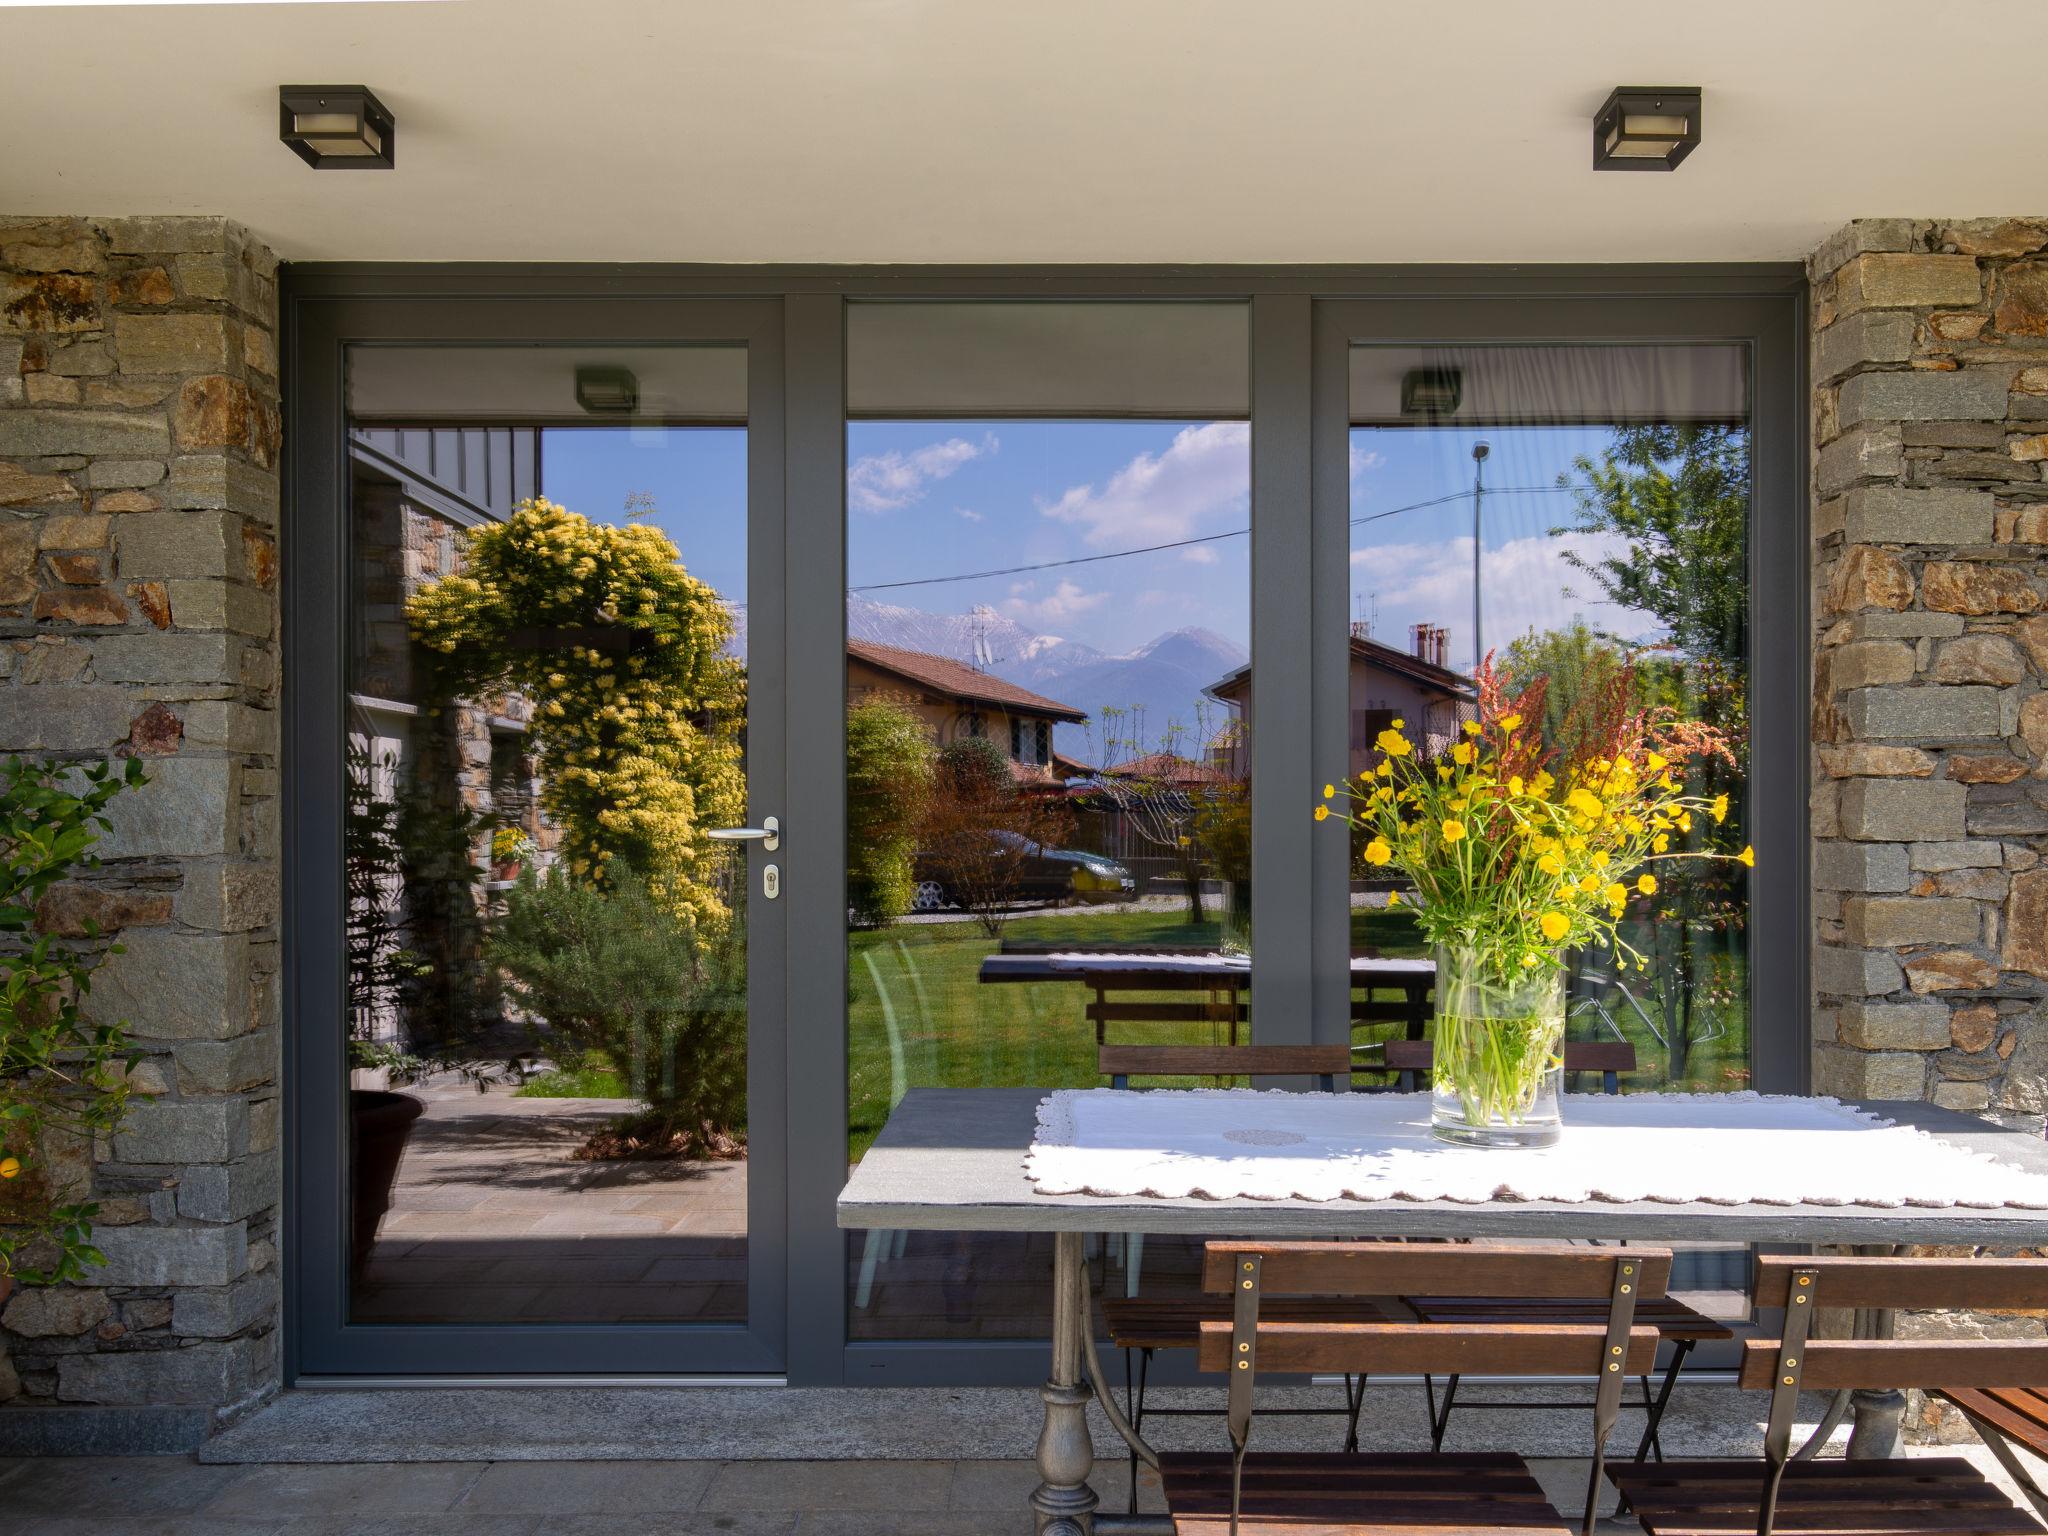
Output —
(637, 702)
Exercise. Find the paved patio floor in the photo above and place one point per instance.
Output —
(178, 1496)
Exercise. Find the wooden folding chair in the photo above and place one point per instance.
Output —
(1681, 1328)
(1348, 1494)
(1896, 1497)
(1140, 1326)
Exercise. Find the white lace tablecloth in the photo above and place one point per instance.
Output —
(1721, 1149)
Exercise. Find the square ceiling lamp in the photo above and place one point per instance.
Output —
(1646, 127)
(336, 127)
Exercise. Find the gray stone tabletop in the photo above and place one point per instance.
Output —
(952, 1159)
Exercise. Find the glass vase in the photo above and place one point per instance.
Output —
(1498, 1062)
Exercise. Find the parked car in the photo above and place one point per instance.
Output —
(1043, 874)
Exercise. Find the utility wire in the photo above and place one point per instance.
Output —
(1207, 538)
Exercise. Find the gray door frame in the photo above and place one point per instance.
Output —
(1302, 320)
(320, 1342)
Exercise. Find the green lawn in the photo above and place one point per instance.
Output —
(956, 1033)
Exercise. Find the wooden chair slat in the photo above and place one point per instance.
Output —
(1507, 1349)
(1835, 1364)
(1820, 1498)
(1304, 1494)
(1222, 1060)
(1579, 1055)
(1175, 1322)
(2020, 1415)
(1984, 1284)
(1397, 1269)
(1669, 1316)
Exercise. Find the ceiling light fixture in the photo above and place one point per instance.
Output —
(336, 127)
(1646, 127)
(1432, 392)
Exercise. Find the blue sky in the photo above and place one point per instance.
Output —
(938, 499)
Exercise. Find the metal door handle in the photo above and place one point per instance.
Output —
(768, 834)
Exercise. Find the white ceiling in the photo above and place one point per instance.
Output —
(1049, 131)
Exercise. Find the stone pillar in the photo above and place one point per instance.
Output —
(1930, 723)
(138, 615)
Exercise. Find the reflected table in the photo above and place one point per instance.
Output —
(1223, 978)
(952, 1159)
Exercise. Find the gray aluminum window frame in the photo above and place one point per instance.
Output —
(1303, 320)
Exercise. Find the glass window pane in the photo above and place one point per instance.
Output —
(545, 713)
(1571, 512)
(1048, 669)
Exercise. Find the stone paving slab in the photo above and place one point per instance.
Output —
(176, 1496)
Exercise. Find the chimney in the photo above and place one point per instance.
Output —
(1418, 641)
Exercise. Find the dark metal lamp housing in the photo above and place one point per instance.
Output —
(603, 390)
(1432, 392)
(1646, 127)
(336, 127)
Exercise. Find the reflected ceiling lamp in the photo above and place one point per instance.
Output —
(336, 127)
(1432, 392)
(603, 389)
(1646, 127)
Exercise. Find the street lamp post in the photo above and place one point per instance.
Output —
(1480, 450)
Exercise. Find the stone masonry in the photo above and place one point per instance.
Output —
(1930, 682)
(138, 614)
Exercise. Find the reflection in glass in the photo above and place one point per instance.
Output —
(1569, 511)
(1048, 691)
(546, 708)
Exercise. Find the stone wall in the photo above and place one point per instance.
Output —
(138, 614)
(1930, 720)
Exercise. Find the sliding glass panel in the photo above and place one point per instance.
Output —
(1049, 713)
(1573, 513)
(547, 954)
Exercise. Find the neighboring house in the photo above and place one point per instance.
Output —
(1413, 686)
(1166, 770)
(954, 700)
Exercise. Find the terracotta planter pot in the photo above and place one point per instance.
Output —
(378, 1125)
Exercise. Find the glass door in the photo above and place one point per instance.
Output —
(542, 1125)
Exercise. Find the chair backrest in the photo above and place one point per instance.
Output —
(1610, 1058)
(1120, 1063)
(1612, 1352)
(1795, 1361)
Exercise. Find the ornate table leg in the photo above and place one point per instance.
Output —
(1874, 1431)
(1064, 1504)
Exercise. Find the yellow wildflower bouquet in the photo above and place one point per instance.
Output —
(1518, 855)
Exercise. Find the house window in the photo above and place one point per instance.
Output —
(1019, 741)
(1366, 725)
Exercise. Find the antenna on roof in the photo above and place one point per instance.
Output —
(984, 649)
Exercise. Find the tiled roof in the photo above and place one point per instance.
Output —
(942, 674)
(1168, 769)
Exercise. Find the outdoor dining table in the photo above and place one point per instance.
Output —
(954, 1159)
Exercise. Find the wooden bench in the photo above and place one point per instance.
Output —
(1344, 1494)
(1413, 1059)
(1896, 1497)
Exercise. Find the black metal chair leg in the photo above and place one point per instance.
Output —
(1134, 1410)
(1354, 1401)
(1652, 1441)
(1440, 1426)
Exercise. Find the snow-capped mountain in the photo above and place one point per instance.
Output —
(1157, 688)
(1138, 700)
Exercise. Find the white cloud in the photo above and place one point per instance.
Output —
(1363, 459)
(970, 514)
(1528, 586)
(883, 482)
(1199, 554)
(1200, 483)
(1064, 602)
